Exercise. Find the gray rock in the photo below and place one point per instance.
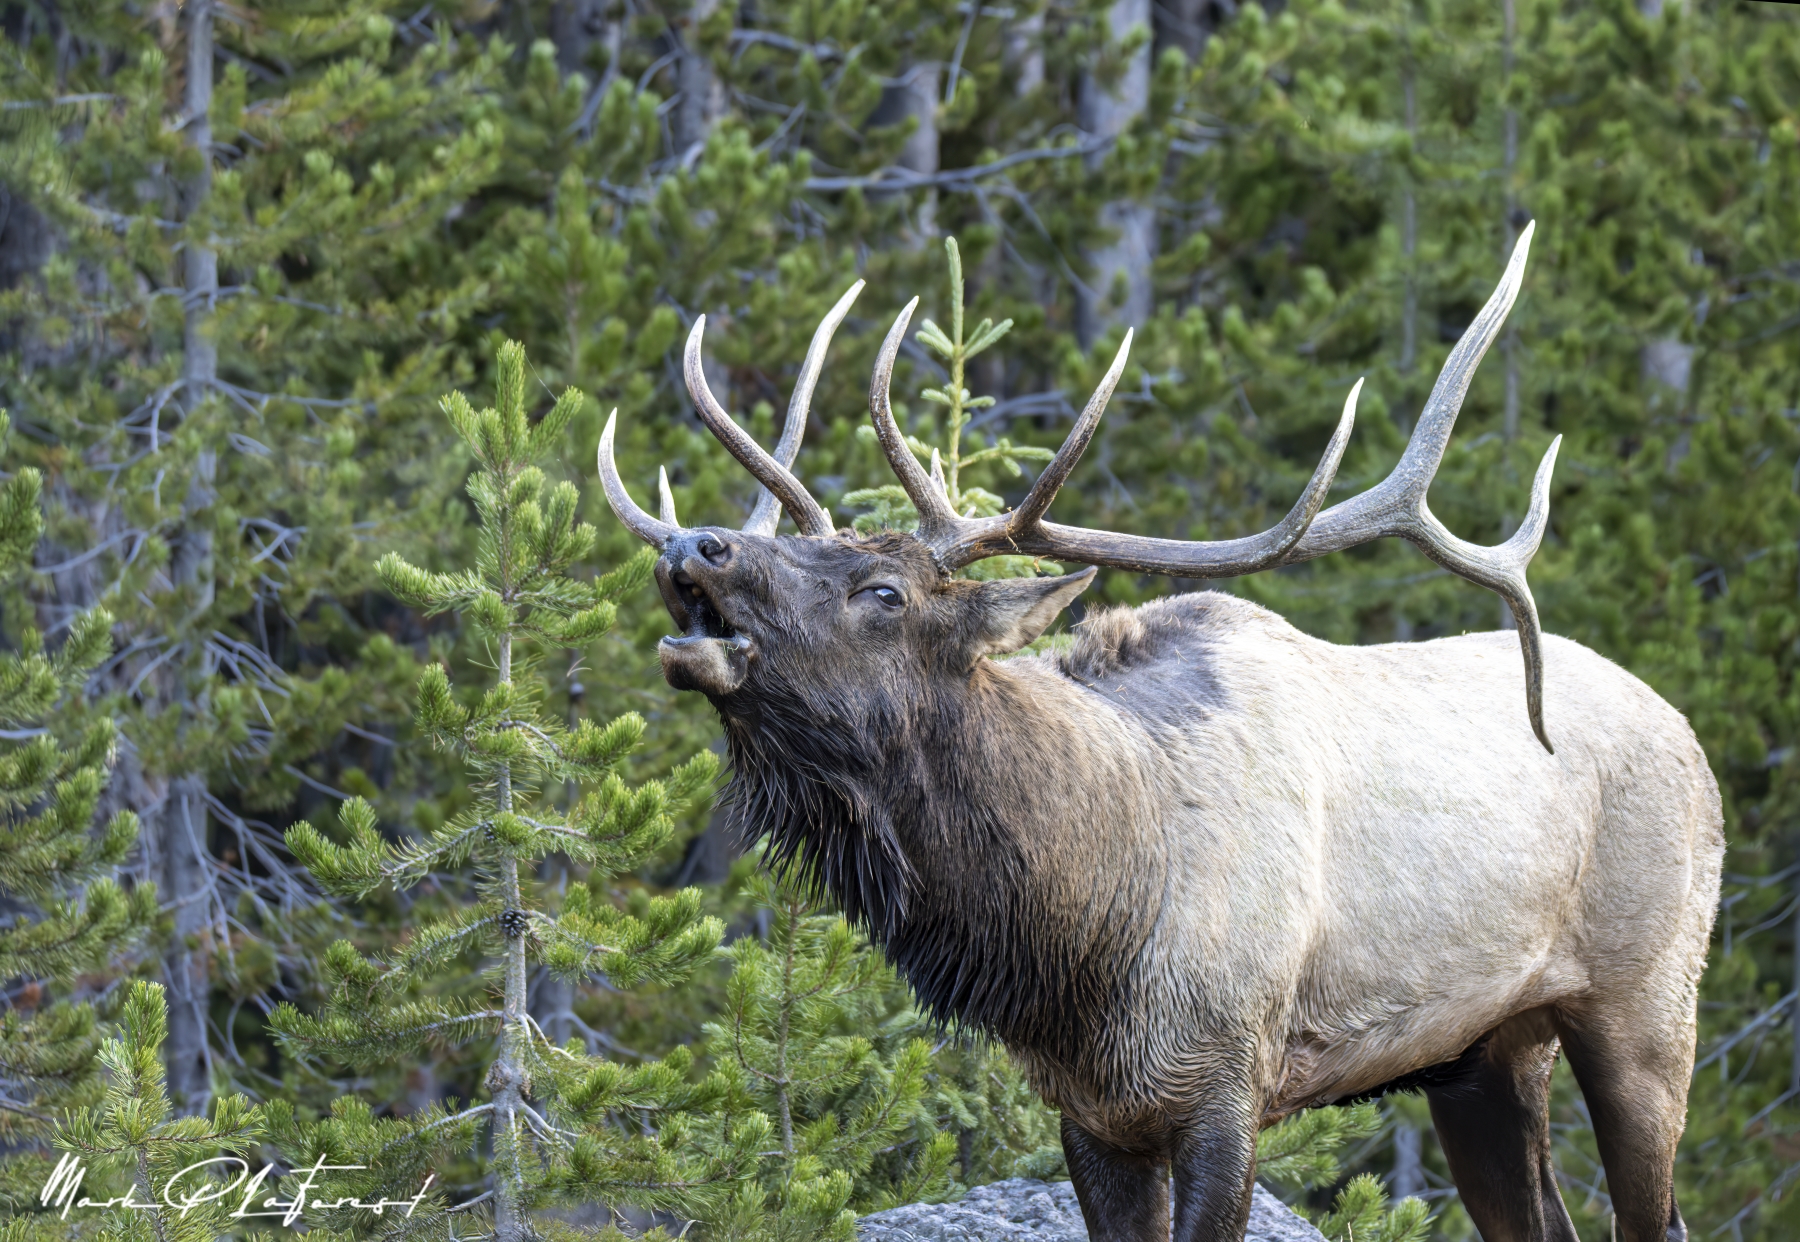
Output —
(1272, 1221)
(1023, 1210)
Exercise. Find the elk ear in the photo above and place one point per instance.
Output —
(1008, 613)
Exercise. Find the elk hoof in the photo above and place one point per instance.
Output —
(713, 666)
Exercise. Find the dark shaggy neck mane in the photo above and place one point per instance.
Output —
(916, 820)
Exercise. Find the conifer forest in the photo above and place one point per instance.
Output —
(348, 827)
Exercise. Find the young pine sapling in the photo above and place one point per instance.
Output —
(802, 1037)
(564, 1127)
(889, 506)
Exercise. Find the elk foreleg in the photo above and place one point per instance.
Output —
(1214, 1167)
(1124, 1195)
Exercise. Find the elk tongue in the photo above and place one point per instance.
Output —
(698, 661)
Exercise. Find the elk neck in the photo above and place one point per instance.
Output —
(978, 832)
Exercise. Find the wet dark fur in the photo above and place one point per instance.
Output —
(856, 782)
(846, 813)
(1459, 1076)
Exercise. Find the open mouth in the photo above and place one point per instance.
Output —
(709, 655)
(695, 611)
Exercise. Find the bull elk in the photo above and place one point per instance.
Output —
(1199, 870)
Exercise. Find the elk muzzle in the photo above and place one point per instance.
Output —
(710, 655)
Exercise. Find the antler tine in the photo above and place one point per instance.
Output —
(1425, 448)
(1390, 506)
(1180, 558)
(1397, 505)
(639, 523)
(935, 514)
(961, 540)
(1037, 501)
(1501, 569)
(767, 514)
(808, 516)
(665, 497)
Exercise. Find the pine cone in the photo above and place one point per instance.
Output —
(513, 923)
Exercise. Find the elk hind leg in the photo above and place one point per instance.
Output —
(1633, 1070)
(1492, 1115)
(1124, 1195)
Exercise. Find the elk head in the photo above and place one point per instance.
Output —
(847, 630)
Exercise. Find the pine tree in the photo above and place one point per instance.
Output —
(151, 1174)
(1305, 1152)
(799, 1033)
(1680, 353)
(563, 1126)
(1647, 144)
(1003, 1130)
(67, 916)
(379, 195)
(222, 361)
(1360, 1211)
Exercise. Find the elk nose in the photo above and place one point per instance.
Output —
(715, 550)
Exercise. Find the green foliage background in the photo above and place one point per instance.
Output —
(391, 191)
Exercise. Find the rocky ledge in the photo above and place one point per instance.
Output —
(1026, 1211)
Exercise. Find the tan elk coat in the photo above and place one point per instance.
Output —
(1365, 846)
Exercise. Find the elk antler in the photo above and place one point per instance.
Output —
(775, 477)
(778, 485)
(955, 541)
(665, 498)
(1396, 505)
(767, 513)
(650, 530)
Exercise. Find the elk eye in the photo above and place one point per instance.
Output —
(886, 595)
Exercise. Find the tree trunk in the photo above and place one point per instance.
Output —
(1667, 365)
(914, 95)
(1510, 156)
(1024, 52)
(710, 855)
(1124, 262)
(700, 104)
(1794, 1015)
(508, 1078)
(552, 1000)
(179, 823)
(579, 28)
(1409, 1168)
(1514, 220)
(1409, 256)
(200, 361)
(553, 1005)
(26, 239)
(180, 826)
(185, 862)
(702, 100)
